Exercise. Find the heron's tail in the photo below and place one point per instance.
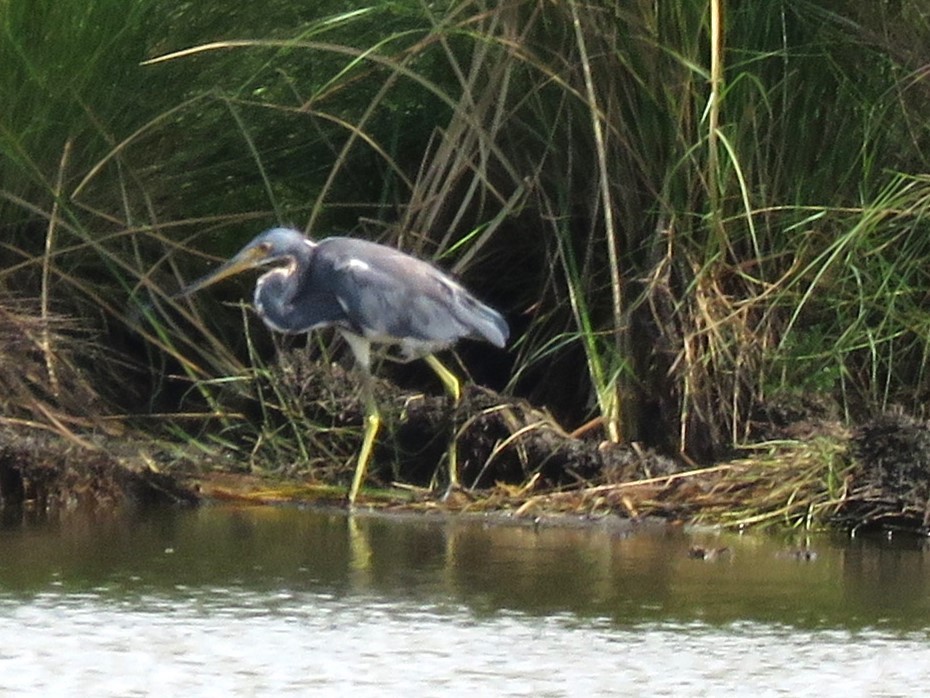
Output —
(485, 322)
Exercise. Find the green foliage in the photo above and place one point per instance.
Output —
(682, 206)
(67, 75)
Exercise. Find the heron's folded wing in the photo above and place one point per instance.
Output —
(403, 301)
(388, 295)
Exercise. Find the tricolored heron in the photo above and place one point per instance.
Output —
(372, 294)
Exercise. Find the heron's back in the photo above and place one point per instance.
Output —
(393, 297)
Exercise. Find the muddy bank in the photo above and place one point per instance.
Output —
(514, 458)
(47, 472)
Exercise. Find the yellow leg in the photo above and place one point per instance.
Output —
(372, 425)
(454, 388)
(448, 378)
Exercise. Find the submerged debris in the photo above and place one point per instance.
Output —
(698, 552)
(800, 554)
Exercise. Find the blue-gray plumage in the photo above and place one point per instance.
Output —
(370, 290)
(372, 294)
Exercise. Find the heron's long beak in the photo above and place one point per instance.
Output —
(249, 258)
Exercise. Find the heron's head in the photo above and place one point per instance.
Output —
(272, 246)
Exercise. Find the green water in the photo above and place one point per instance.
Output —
(264, 601)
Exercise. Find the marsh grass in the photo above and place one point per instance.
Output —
(784, 484)
(684, 208)
(797, 484)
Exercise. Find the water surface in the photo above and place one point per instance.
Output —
(265, 601)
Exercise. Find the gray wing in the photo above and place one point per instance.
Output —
(390, 295)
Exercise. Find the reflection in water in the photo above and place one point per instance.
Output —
(267, 601)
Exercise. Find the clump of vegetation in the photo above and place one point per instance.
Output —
(685, 210)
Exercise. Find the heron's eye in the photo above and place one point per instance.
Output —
(264, 248)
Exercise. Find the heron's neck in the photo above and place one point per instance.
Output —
(285, 281)
(301, 256)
